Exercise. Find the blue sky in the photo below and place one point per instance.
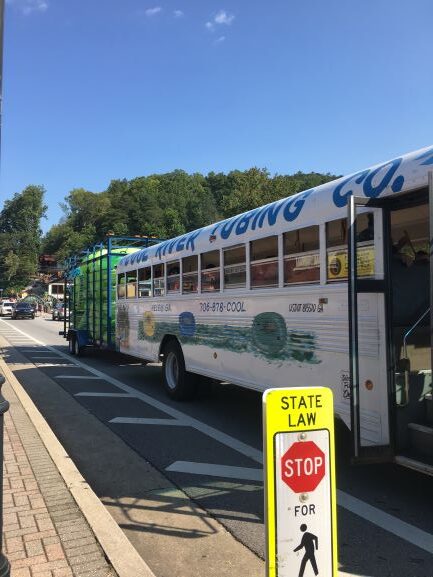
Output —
(95, 90)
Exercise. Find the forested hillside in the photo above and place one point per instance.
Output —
(166, 205)
(162, 205)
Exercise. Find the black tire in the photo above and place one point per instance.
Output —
(78, 351)
(178, 384)
(71, 345)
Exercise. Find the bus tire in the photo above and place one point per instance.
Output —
(178, 384)
(79, 351)
(71, 345)
(75, 348)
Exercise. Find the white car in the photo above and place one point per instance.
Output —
(6, 308)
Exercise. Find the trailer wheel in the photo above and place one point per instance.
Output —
(179, 384)
(71, 345)
(78, 351)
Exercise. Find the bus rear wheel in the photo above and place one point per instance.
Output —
(178, 383)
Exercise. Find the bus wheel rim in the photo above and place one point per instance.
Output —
(172, 371)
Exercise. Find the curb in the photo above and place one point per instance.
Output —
(118, 549)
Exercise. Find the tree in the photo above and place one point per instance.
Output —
(20, 237)
(248, 190)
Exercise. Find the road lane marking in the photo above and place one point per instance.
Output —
(141, 421)
(45, 358)
(224, 471)
(39, 365)
(29, 351)
(77, 377)
(375, 516)
(386, 521)
(108, 395)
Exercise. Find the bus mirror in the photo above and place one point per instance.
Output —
(403, 365)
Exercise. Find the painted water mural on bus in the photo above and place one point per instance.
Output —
(267, 337)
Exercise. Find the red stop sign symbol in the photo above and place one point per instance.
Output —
(303, 466)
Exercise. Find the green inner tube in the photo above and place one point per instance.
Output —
(269, 332)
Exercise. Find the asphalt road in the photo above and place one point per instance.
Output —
(211, 449)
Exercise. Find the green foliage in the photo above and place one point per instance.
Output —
(166, 205)
(161, 205)
(20, 238)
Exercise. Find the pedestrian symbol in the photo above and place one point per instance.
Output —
(310, 543)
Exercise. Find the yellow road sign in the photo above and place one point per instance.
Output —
(300, 498)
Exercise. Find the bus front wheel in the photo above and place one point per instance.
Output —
(178, 383)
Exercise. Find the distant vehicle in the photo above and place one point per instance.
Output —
(58, 313)
(6, 308)
(23, 310)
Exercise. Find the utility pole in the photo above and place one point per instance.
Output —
(2, 15)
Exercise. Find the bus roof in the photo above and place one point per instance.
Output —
(407, 172)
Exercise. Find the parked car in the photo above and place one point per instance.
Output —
(59, 312)
(23, 310)
(6, 308)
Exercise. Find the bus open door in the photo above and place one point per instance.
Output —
(400, 288)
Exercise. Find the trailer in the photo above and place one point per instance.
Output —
(90, 292)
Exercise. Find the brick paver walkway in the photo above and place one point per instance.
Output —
(44, 531)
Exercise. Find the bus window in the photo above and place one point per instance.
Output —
(173, 276)
(210, 271)
(336, 250)
(190, 274)
(131, 284)
(301, 256)
(144, 282)
(234, 267)
(365, 245)
(121, 286)
(410, 281)
(158, 280)
(264, 262)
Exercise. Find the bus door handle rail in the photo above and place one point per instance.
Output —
(407, 364)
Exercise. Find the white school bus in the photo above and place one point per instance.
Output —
(329, 287)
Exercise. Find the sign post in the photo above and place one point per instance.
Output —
(300, 501)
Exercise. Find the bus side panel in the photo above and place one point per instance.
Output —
(135, 330)
(259, 342)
